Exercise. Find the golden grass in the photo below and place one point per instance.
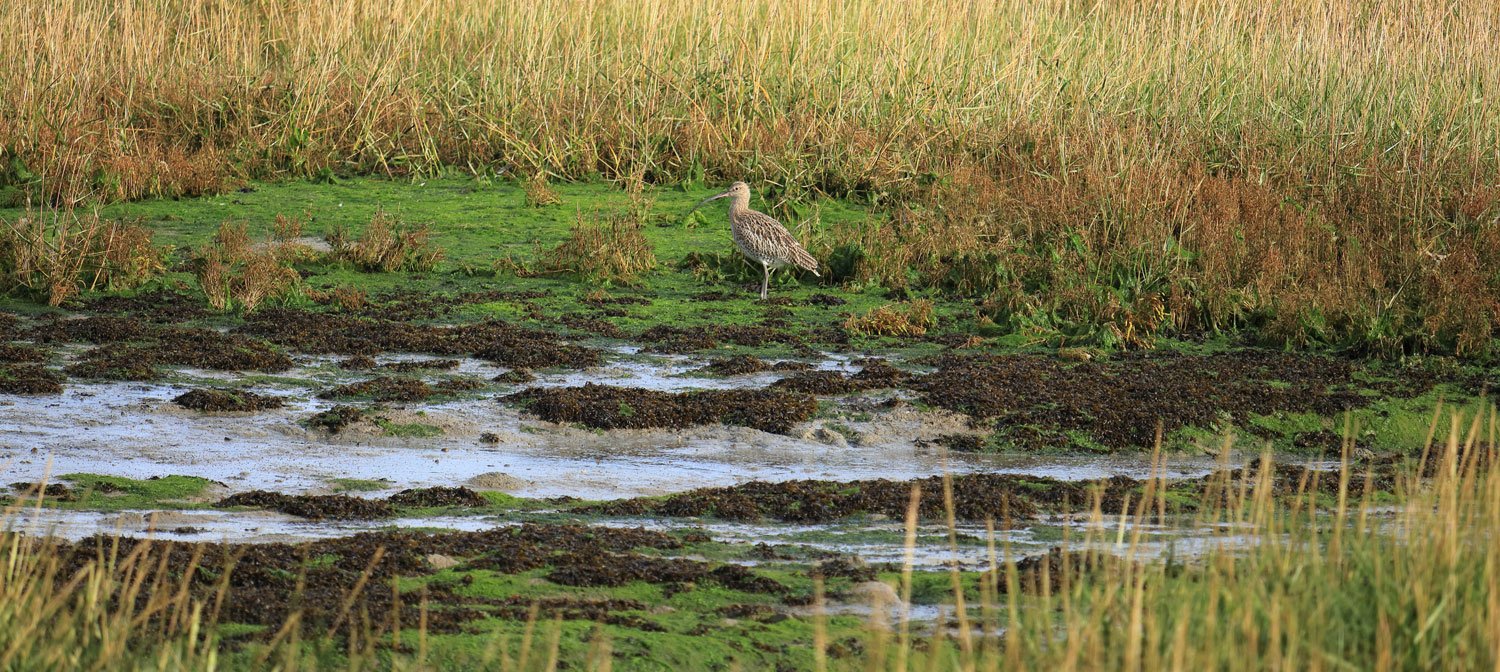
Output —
(56, 254)
(605, 250)
(912, 318)
(237, 274)
(1322, 172)
(387, 244)
(871, 95)
(539, 194)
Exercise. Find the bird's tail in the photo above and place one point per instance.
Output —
(805, 261)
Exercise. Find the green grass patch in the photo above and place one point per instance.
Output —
(358, 484)
(109, 493)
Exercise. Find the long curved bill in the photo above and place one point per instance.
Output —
(710, 198)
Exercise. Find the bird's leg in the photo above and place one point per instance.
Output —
(765, 281)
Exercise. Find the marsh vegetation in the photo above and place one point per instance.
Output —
(381, 335)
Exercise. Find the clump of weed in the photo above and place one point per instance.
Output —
(335, 419)
(217, 401)
(608, 407)
(56, 492)
(185, 346)
(347, 299)
(357, 363)
(57, 254)
(1037, 402)
(439, 496)
(94, 329)
(237, 274)
(388, 244)
(875, 375)
(912, 318)
(500, 342)
(315, 507)
(608, 250)
(12, 352)
(382, 389)
(737, 365)
(515, 377)
(421, 365)
(28, 379)
(718, 266)
(539, 194)
(287, 228)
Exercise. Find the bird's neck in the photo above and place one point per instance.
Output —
(739, 204)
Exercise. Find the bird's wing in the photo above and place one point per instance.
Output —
(771, 238)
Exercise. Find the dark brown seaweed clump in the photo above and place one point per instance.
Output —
(1004, 498)
(161, 306)
(421, 365)
(609, 407)
(357, 363)
(15, 352)
(1001, 497)
(737, 365)
(214, 400)
(382, 389)
(29, 379)
(53, 491)
(183, 346)
(1035, 400)
(98, 329)
(670, 339)
(266, 583)
(317, 507)
(515, 376)
(335, 419)
(499, 342)
(876, 374)
(439, 496)
(822, 383)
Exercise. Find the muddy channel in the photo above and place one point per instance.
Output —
(338, 434)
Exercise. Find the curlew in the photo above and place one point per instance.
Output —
(761, 238)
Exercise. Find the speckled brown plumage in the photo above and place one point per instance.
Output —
(762, 239)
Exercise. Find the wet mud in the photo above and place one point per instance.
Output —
(609, 407)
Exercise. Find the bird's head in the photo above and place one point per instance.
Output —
(739, 191)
